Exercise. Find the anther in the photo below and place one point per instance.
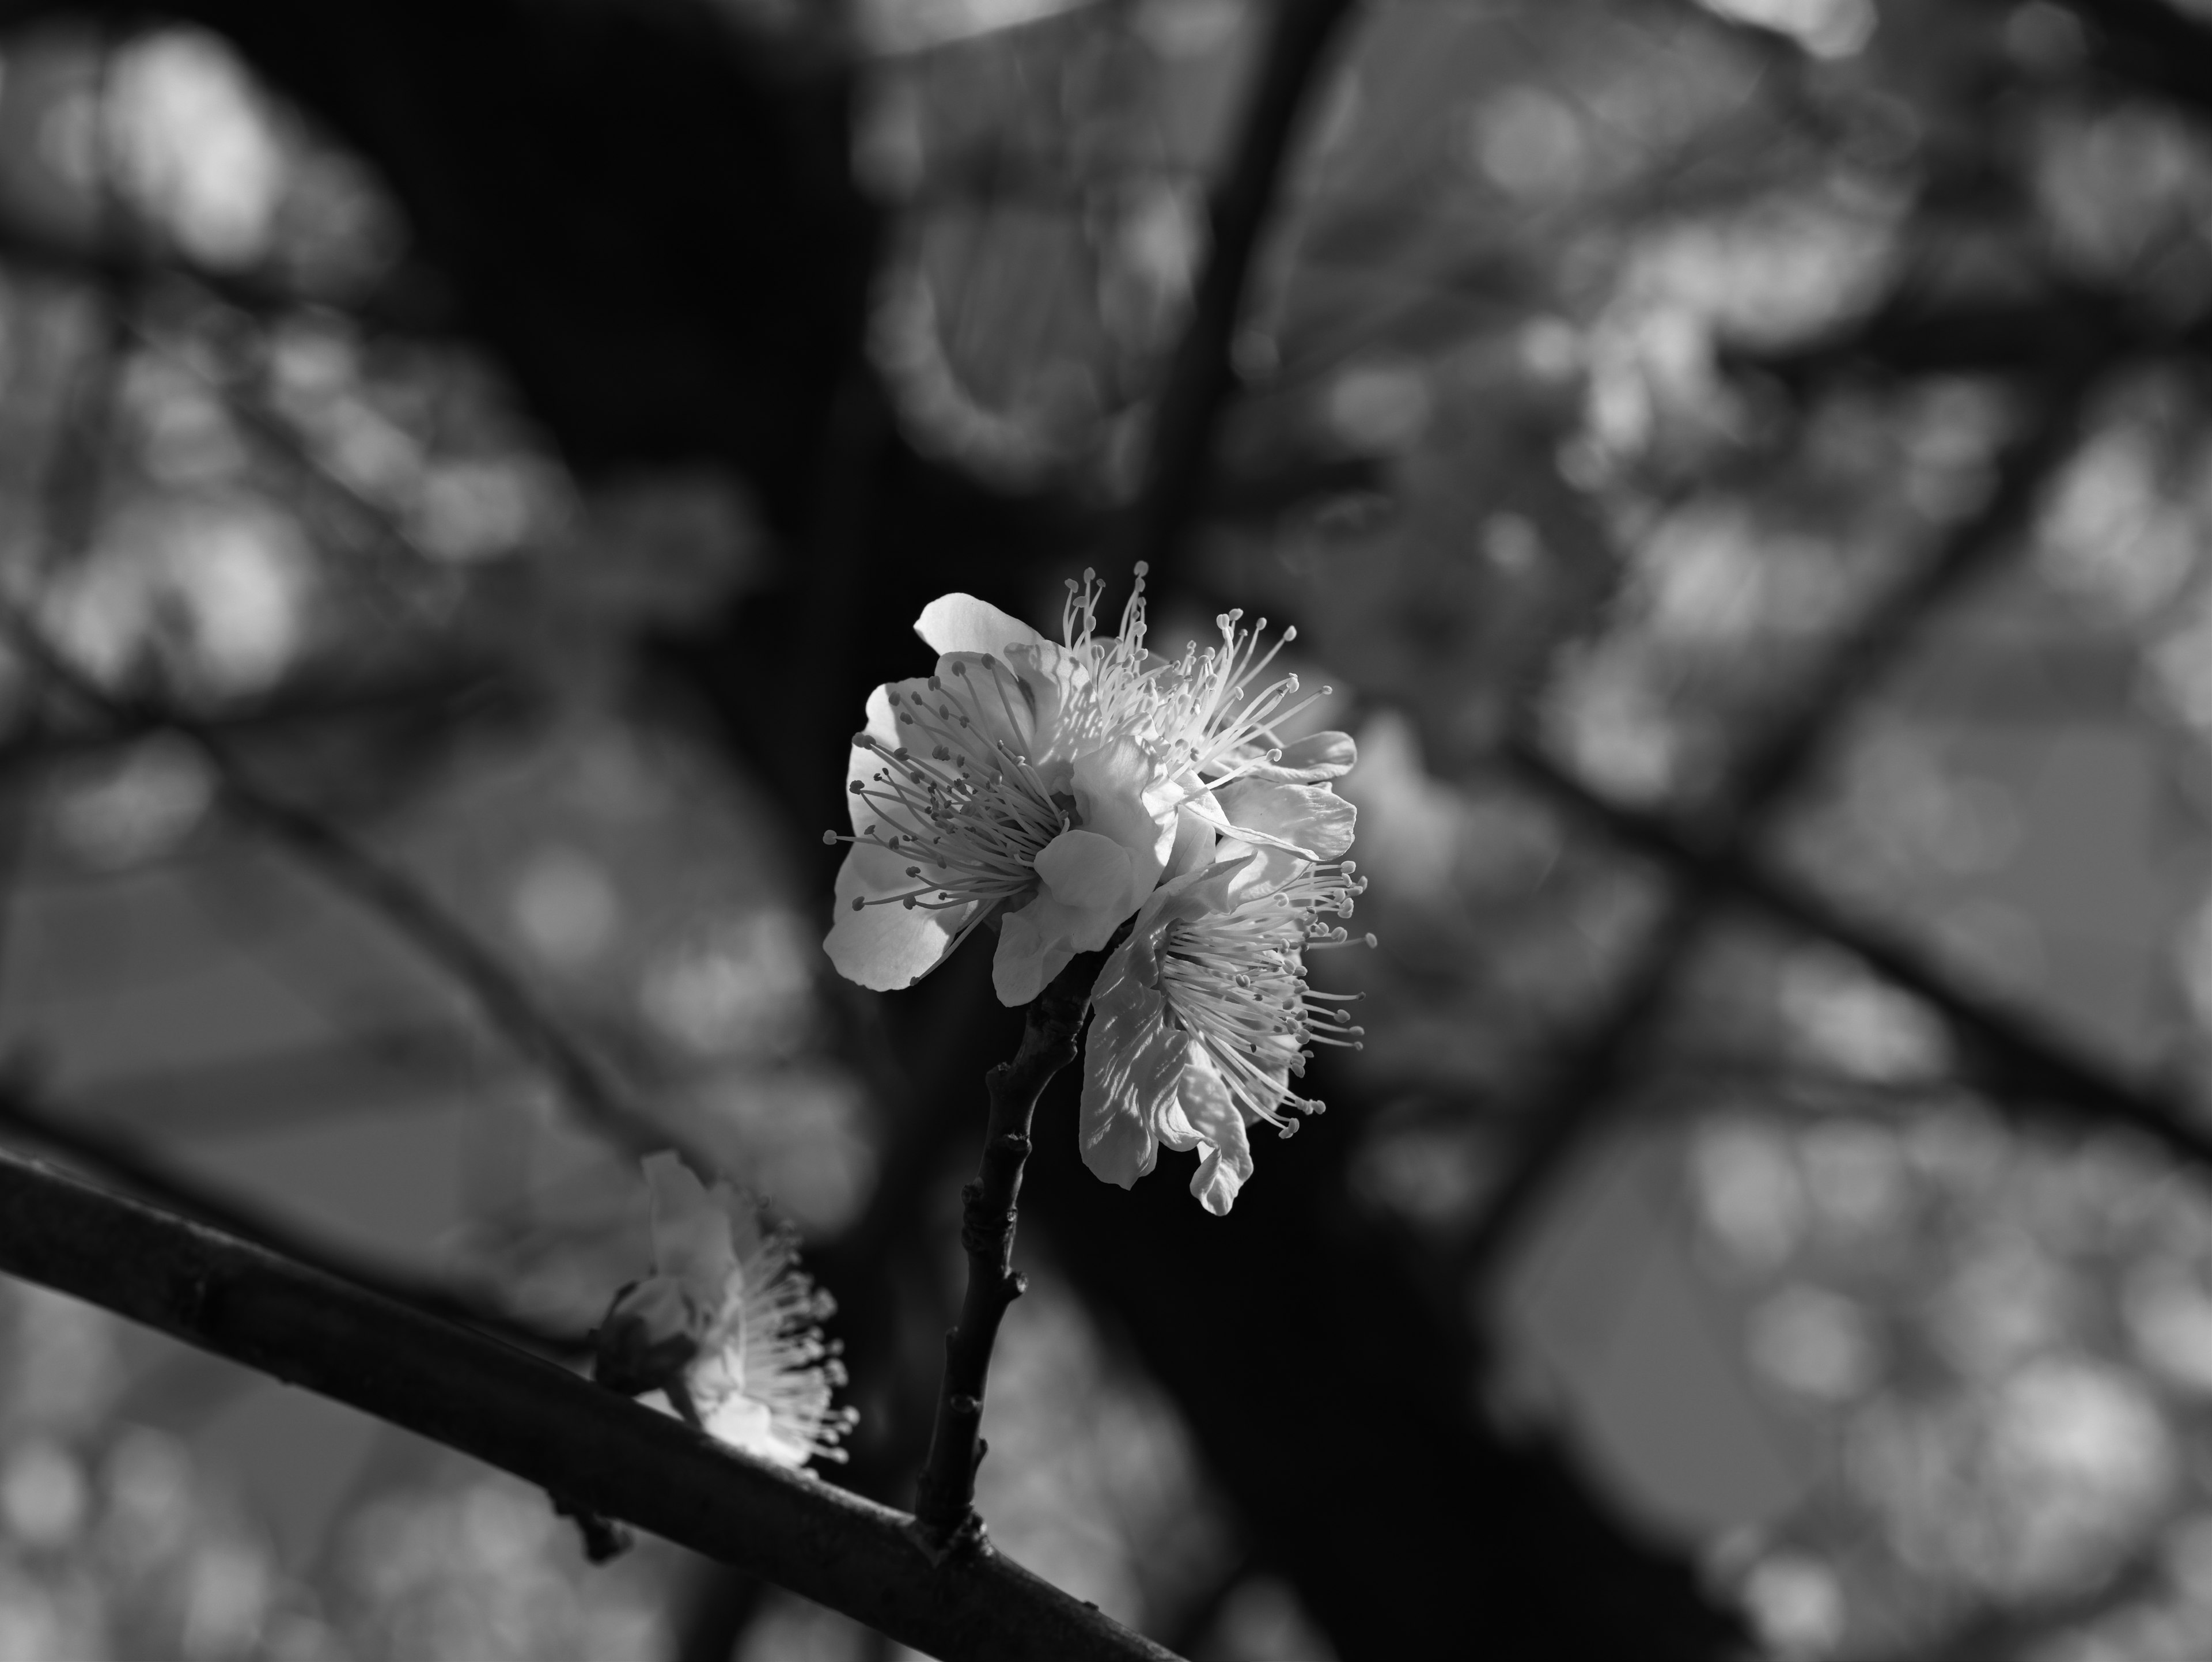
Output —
(829, 839)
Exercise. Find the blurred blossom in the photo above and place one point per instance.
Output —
(565, 908)
(228, 1590)
(1856, 1178)
(2114, 530)
(800, 1137)
(1827, 28)
(2117, 185)
(136, 806)
(218, 591)
(898, 27)
(472, 510)
(1855, 1021)
(1434, 1176)
(1748, 1191)
(2168, 1311)
(63, 1370)
(2084, 1457)
(484, 1570)
(151, 1508)
(1817, 1344)
(197, 145)
(43, 1494)
(1263, 1622)
(744, 985)
(187, 437)
(790, 1629)
(1616, 725)
(1796, 1605)
(1158, 242)
(727, 1328)
(2007, 1301)
(2038, 1487)
(1528, 143)
(1775, 271)
(1379, 407)
(2189, 1557)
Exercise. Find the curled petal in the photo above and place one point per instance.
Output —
(1212, 1112)
(1311, 818)
(961, 623)
(1132, 1063)
(1312, 759)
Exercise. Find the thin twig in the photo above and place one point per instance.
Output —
(1202, 375)
(539, 1421)
(2021, 1059)
(1789, 752)
(391, 894)
(945, 1509)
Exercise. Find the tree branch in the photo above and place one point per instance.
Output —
(584, 1445)
(2023, 1061)
(1202, 376)
(391, 894)
(1786, 754)
(945, 1507)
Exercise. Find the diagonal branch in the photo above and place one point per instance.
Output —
(390, 893)
(589, 1447)
(1202, 377)
(2021, 1059)
(1577, 1099)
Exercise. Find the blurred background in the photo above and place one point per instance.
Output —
(1746, 469)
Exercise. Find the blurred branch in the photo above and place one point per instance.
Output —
(387, 891)
(123, 268)
(1201, 377)
(125, 1160)
(945, 1508)
(2024, 1062)
(586, 1446)
(1791, 748)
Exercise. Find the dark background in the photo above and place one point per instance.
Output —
(1743, 469)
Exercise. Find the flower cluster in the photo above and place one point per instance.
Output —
(1058, 791)
(727, 1327)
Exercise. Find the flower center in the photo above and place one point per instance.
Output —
(1236, 982)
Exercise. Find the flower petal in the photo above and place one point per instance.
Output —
(1311, 817)
(690, 1230)
(1085, 871)
(892, 946)
(1034, 945)
(1132, 1061)
(961, 623)
(1195, 843)
(1310, 760)
(1110, 787)
(1212, 1113)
